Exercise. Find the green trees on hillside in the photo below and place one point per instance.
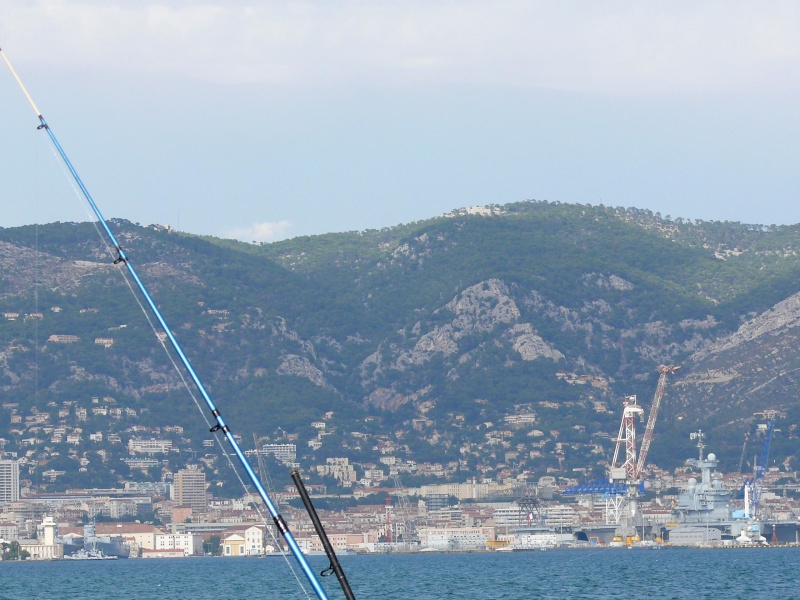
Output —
(613, 290)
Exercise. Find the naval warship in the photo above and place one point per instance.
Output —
(706, 513)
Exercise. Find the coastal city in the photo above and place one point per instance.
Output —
(484, 299)
(178, 515)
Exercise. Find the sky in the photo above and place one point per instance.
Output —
(267, 120)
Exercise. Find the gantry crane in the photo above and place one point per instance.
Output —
(410, 534)
(744, 449)
(624, 482)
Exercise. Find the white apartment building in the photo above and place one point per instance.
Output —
(340, 469)
(9, 481)
(9, 531)
(254, 540)
(561, 515)
(170, 541)
(462, 491)
(149, 446)
(285, 453)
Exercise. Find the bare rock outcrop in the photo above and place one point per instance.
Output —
(300, 366)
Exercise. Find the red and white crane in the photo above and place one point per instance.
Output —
(631, 469)
(627, 438)
(651, 420)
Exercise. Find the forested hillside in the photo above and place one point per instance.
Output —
(499, 341)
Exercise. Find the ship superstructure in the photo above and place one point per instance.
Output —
(706, 500)
(705, 511)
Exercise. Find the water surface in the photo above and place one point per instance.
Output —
(666, 574)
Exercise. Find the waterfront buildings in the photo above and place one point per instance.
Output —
(456, 538)
(234, 545)
(245, 540)
(46, 547)
(185, 542)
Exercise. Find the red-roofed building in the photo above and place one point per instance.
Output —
(139, 536)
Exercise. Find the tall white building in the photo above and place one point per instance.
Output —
(9, 481)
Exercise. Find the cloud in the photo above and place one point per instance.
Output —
(596, 47)
(261, 232)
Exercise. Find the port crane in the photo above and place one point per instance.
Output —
(624, 481)
(744, 449)
(651, 420)
(410, 533)
(631, 469)
(629, 473)
(751, 490)
(627, 438)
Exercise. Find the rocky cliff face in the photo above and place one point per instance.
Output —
(485, 309)
(21, 268)
(755, 368)
(758, 366)
(482, 315)
(581, 305)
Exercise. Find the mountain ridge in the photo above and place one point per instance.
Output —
(429, 330)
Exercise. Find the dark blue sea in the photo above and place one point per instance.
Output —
(665, 574)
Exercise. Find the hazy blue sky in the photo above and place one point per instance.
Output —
(270, 119)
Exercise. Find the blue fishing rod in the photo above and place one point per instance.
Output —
(122, 258)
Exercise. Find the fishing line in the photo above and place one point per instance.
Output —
(215, 434)
(36, 320)
(93, 220)
(122, 259)
(90, 217)
(205, 418)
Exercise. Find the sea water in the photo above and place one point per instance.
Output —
(665, 574)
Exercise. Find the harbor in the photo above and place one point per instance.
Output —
(235, 399)
(695, 506)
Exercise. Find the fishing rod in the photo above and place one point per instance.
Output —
(336, 566)
(122, 258)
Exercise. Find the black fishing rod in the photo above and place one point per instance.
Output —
(122, 258)
(335, 567)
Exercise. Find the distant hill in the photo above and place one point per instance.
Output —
(436, 336)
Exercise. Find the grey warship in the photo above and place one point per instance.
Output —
(705, 509)
(90, 542)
